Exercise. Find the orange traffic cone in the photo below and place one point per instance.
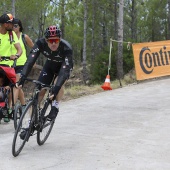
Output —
(106, 85)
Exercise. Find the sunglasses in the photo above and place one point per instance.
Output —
(51, 41)
(15, 25)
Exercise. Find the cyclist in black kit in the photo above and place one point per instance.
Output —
(59, 61)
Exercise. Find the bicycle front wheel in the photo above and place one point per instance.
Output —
(17, 114)
(46, 126)
(23, 130)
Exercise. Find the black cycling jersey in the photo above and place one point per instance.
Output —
(62, 57)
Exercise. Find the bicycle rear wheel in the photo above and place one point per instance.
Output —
(23, 130)
(17, 114)
(46, 126)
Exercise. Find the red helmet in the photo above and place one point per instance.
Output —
(52, 31)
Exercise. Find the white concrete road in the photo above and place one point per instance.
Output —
(122, 129)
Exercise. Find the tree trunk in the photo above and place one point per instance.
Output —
(134, 19)
(104, 29)
(93, 30)
(85, 74)
(119, 61)
(63, 18)
(13, 8)
(168, 34)
(115, 20)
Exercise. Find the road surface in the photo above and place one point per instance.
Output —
(123, 129)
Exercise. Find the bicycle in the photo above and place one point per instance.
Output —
(4, 106)
(34, 119)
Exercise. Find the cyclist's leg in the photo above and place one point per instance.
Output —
(60, 93)
(21, 97)
(9, 101)
(18, 92)
(46, 77)
(41, 95)
(61, 80)
(55, 104)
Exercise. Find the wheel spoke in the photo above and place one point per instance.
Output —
(45, 130)
(23, 130)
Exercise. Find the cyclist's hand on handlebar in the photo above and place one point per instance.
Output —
(13, 57)
(7, 87)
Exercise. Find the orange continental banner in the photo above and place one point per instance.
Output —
(152, 59)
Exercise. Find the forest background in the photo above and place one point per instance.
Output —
(90, 25)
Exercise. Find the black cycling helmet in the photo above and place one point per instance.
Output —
(52, 31)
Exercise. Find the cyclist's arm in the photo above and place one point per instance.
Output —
(19, 51)
(7, 87)
(33, 55)
(17, 46)
(65, 71)
(29, 41)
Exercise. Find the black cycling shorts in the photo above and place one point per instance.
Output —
(18, 69)
(49, 70)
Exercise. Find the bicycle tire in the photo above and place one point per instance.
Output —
(43, 133)
(17, 115)
(23, 124)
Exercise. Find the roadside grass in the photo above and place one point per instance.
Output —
(77, 91)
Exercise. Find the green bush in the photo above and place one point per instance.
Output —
(99, 69)
(128, 60)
